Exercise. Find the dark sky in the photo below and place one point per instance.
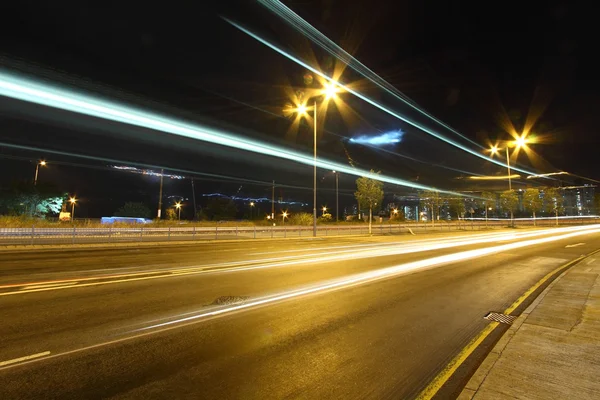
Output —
(473, 67)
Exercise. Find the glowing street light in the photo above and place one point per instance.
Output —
(329, 90)
(521, 141)
(324, 210)
(178, 207)
(73, 201)
(251, 208)
(37, 169)
(283, 217)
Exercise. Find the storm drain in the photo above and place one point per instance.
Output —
(502, 318)
(229, 300)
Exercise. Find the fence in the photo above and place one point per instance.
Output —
(109, 234)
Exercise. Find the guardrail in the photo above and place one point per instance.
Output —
(140, 233)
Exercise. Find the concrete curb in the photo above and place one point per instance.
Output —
(487, 365)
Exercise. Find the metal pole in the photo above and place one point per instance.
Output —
(179, 214)
(73, 212)
(315, 172)
(160, 194)
(337, 204)
(512, 223)
(194, 200)
(273, 202)
(37, 168)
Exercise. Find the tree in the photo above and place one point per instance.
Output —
(532, 201)
(171, 214)
(430, 199)
(220, 209)
(554, 201)
(301, 219)
(457, 206)
(369, 192)
(36, 201)
(509, 201)
(134, 210)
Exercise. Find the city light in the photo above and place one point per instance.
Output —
(43, 163)
(330, 90)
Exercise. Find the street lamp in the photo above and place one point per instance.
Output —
(329, 90)
(337, 204)
(72, 200)
(521, 141)
(395, 212)
(251, 207)
(178, 207)
(283, 217)
(324, 210)
(37, 169)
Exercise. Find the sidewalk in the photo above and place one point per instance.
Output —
(552, 351)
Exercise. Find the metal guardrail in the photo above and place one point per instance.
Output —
(109, 234)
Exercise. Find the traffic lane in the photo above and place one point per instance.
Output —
(31, 262)
(73, 317)
(32, 267)
(384, 339)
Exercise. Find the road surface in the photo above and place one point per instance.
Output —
(328, 318)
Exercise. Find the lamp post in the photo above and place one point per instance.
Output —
(337, 204)
(251, 207)
(178, 207)
(521, 141)
(329, 91)
(37, 170)
(324, 210)
(283, 217)
(72, 200)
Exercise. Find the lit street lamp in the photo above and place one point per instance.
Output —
(324, 210)
(329, 91)
(178, 207)
(72, 200)
(394, 212)
(251, 208)
(521, 141)
(37, 169)
(283, 217)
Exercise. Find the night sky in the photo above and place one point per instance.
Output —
(475, 68)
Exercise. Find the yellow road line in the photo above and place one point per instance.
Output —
(436, 384)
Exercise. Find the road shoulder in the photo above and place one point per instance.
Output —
(551, 350)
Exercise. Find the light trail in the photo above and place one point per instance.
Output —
(310, 32)
(29, 90)
(370, 101)
(343, 253)
(368, 277)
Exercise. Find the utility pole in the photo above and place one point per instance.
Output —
(273, 202)
(160, 194)
(337, 204)
(194, 200)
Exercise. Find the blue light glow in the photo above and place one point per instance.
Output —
(379, 140)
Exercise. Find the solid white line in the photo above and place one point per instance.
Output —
(574, 245)
(16, 360)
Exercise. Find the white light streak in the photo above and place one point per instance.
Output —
(32, 91)
(371, 276)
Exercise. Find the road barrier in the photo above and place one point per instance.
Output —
(140, 233)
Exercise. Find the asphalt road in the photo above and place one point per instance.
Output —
(331, 318)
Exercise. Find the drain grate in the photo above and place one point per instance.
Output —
(499, 317)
